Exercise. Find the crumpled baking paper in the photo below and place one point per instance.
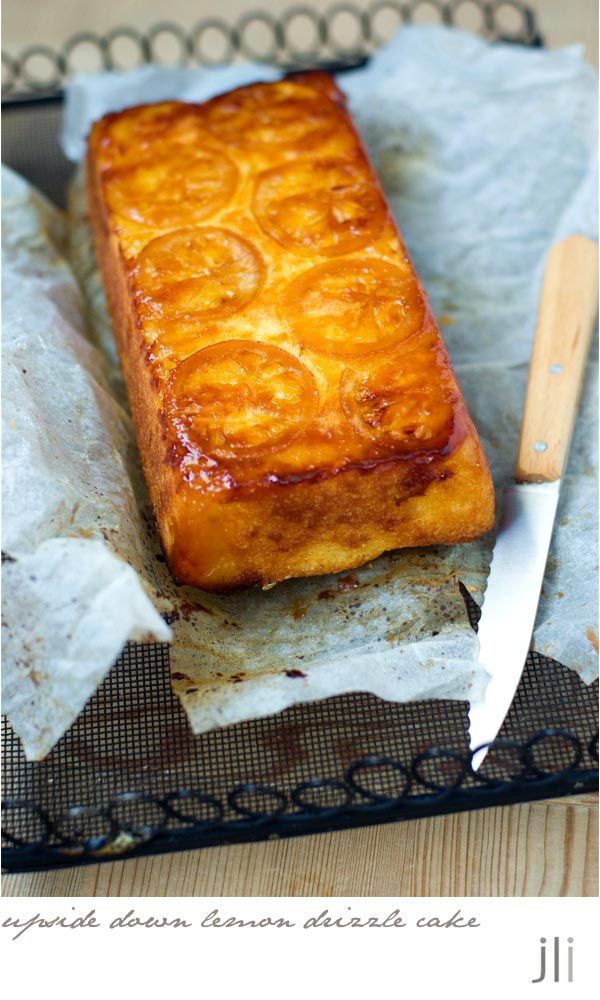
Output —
(487, 157)
(71, 598)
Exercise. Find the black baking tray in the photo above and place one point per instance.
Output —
(129, 778)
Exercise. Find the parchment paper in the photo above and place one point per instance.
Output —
(487, 157)
(71, 527)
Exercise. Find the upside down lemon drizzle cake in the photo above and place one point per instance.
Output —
(295, 408)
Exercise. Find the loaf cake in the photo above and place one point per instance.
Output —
(295, 408)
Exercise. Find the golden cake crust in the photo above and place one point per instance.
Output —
(295, 408)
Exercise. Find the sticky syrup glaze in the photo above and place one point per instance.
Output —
(286, 332)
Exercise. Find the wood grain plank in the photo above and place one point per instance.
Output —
(545, 848)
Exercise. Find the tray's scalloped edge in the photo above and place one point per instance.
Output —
(360, 807)
(20, 82)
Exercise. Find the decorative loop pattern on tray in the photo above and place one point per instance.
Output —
(449, 764)
(165, 29)
(513, 769)
(373, 766)
(306, 796)
(179, 806)
(440, 11)
(230, 42)
(135, 43)
(86, 829)
(81, 41)
(41, 68)
(362, 29)
(11, 806)
(259, 36)
(537, 742)
(372, 788)
(296, 46)
(275, 36)
(252, 791)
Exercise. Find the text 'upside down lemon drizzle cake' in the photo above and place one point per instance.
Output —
(295, 408)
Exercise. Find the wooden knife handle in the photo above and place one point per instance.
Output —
(565, 321)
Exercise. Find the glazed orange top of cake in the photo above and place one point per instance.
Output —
(287, 333)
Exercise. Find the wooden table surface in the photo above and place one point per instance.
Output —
(547, 848)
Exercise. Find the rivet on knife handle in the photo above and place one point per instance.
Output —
(565, 321)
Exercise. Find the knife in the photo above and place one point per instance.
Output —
(565, 321)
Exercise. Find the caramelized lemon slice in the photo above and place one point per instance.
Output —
(180, 187)
(130, 136)
(284, 114)
(327, 206)
(404, 402)
(354, 307)
(239, 399)
(202, 273)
